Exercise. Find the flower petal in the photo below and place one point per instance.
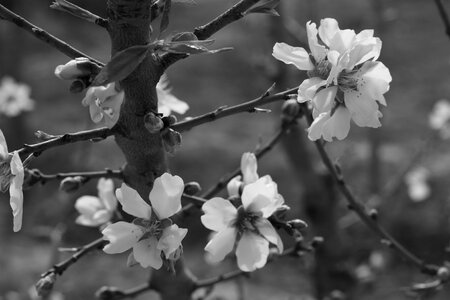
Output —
(167, 102)
(318, 51)
(132, 203)
(121, 236)
(261, 196)
(170, 239)
(338, 125)
(105, 189)
(292, 55)
(327, 29)
(252, 252)
(3, 147)
(363, 109)
(375, 78)
(219, 213)
(88, 205)
(316, 128)
(343, 40)
(95, 112)
(15, 191)
(323, 101)
(221, 244)
(249, 167)
(234, 185)
(165, 195)
(111, 109)
(308, 88)
(269, 233)
(147, 254)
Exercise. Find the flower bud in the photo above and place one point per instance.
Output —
(71, 184)
(192, 188)
(443, 273)
(108, 293)
(45, 285)
(153, 123)
(43, 136)
(171, 139)
(73, 69)
(290, 110)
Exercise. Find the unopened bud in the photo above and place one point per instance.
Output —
(74, 69)
(192, 188)
(317, 241)
(443, 273)
(290, 110)
(153, 123)
(77, 86)
(71, 184)
(171, 139)
(43, 136)
(297, 224)
(373, 213)
(108, 293)
(45, 285)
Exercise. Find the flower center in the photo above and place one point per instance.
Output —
(5, 175)
(347, 81)
(322, 70)
(245, 221)
(152, 228)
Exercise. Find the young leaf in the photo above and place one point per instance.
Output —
(267, 7)
(190, 47)
(121, 65)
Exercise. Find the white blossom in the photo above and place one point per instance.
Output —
(167, 102)
(14, 98)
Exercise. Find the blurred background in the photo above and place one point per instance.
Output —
(405, 162)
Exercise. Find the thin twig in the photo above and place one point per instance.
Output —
(203, 32)
(76, 11)
(365, 217)
(68, 138)
(444, 16)
(224, 111)
(35, 176)
(43, 35)
(61, 267)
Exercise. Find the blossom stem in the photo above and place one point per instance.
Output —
(68, 138)
(43, 35)
(61, 267)
(224, 111)
(36, 175)
(203, 32)
(361, 211)
(76, 11)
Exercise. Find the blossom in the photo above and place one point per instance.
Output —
(345, 80)
(246, 227)
(439, 118)
(11, 176)
(96, 211)
(14, 97)
(104, 103)
(249, 167)
(149, 235)
(167, 102)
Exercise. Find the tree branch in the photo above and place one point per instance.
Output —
(76, 11)
(43, 35)
(205, 31)
(35, 176)
(68, 138)
(225, 111)
(367, 218)
(61, 267)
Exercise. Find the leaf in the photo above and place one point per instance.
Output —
(190, 47)
(184, 36)
(121, 65)
(165, 17)
(265, 8)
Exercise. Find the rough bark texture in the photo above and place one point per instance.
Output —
(129, 25)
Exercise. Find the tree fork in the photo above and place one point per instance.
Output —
(129, 25)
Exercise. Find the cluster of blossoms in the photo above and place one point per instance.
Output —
(345, 80)
(14, 98)
(246, 228)
(105, 101)
(152, 232)
(11, 177)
